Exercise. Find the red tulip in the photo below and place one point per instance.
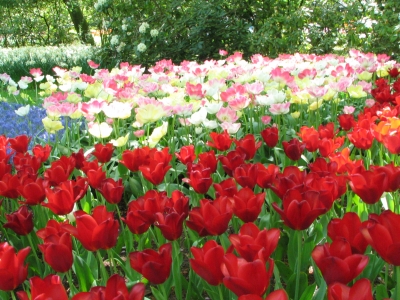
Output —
(270, 136)
(383, 234)
(310, 137)
(346, 121)
(246, 175)
(9, 186)
(79, 158)
(96, 231)
(157, 168)
(247, 205)
(327, 131)
(200, 178)
(154, 266)
(290, 178)
(361, 290)
(211, 218)
(95, 177)
(26, 163)
(243, 277)
(293, 149)
(20, 143)
(57, 252)
(369, 185)
(112, 190)
(208, 160)
(41, 152)
(59, 171)
(61, 199)
(349, 228)
(33, 191)
(186, 154)
(20, 221)
(170, 224)
(115, 289)
(226, 188)
(265, 176)
(103, 152)
(134, 220)
(337, 263)
(48, 288)
(361, 136)
(220, 141)
(392, 142)
(231, 161)
(300, 209)
(133, 159)
(392, 174)
(12, 269)
(327, 146)
(252, 243)
(275, 295)
(207, 261)
(248, 146)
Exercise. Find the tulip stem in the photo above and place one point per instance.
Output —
(221, 295)
(13, 295)
(102, 267)
(35, 254)
(298, 266)
(397, 297)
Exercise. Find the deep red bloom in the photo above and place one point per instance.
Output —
(327, 131)
(79, 158)
(95, 177)
(243, 277)
(60, 170)
(112, 190)
(32, 191)
(275, 295)
(270, 136)
(20, 221)
(247, 205)
(293, 149)
(19, 143)
(346, 121)
(61, 199)
(231, 161)
(349, 228)
(170, 224)
(361, 290)
(310, 137)
(134, 220)
(383, 234)
(300, 209)
(361, 136)
(209, 160)
(265, 176)
(211, 218)
(41, 152)
(52, 228)
(57, 251)
(9, 185)
(392, 142)
(252, 243)
(337, 263)
(226, 188)
(26, 163)
(200, 178)
(248, 146)
(133, 159)
(327, 146)
(49, 287)
(290, 178)
(392, 174)
(12, 269)
(369, 185)
(394, 72)
(246, 175)
(96, 231)
(220, 141)
(158, 166)
(207, 261)
(103, 152)
(154, 266)
(186, 154)
(115, 289)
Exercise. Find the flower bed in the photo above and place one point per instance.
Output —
(269, 179)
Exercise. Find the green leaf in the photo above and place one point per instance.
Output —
(83, 273)
(291, 285)
(381, 292)
(284, 270)
(308, 292)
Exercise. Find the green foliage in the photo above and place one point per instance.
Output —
(18, 62)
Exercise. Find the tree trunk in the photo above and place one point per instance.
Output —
(80, 23)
